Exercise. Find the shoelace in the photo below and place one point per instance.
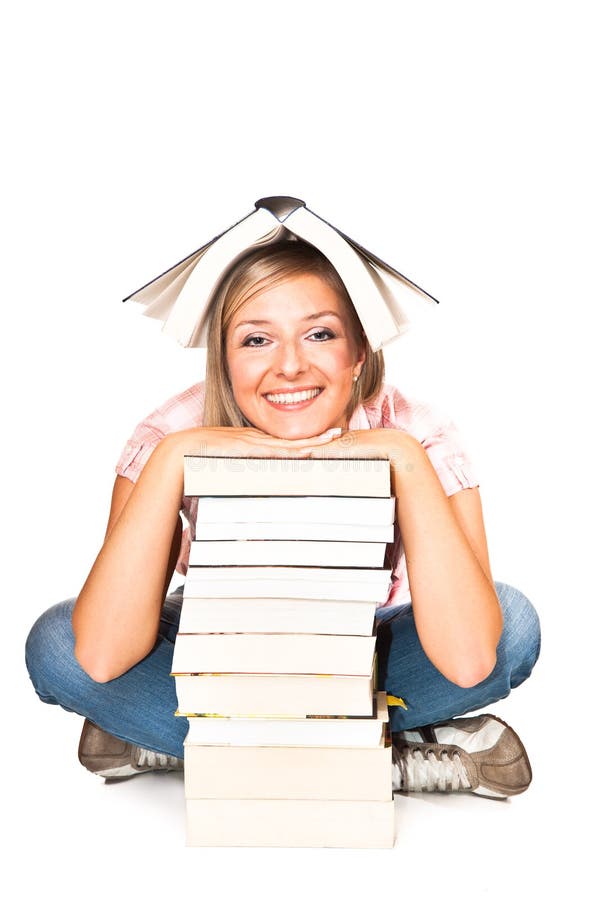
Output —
(429, 772)
(156, 760)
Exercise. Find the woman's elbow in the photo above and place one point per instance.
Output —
(478, 663)
(99, 669)
(471, 672)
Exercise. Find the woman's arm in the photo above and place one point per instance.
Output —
(116, 616)
(457, 614)
(117, 613)
(122, 489)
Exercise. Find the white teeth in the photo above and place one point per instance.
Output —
(298, 397)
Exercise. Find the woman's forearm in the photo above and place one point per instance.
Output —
(116, 616)
(457, 614)
(117, 613)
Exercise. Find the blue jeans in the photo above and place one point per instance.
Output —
(139, 705)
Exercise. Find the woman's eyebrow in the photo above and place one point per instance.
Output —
(324, 312)
(317, 315)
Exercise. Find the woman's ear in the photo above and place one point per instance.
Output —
(361, 353)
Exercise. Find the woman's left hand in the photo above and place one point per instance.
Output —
(373, 443)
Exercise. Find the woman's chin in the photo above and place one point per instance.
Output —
(289, 427)
(290, 434)
(301, 433)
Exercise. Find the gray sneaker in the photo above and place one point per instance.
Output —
(482, 755)
(114, 759)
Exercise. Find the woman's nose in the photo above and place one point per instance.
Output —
(290, 359)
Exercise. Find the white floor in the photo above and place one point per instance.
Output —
(72, 835)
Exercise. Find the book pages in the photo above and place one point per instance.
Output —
(383, 298)
(187, 316)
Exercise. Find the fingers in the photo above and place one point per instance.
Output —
(258, 439)
(350, 445)
(324, 438)
(255, 443)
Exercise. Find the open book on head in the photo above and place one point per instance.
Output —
(182, 295)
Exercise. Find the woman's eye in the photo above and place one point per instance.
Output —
(323, 335)
(255, 340)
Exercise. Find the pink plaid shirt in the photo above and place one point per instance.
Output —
(390, 409)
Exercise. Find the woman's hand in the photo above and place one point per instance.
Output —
(227, 441)
(398, 446)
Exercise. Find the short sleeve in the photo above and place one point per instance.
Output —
(446, 450)
(137, 451)
(184, 410)
(436, 432)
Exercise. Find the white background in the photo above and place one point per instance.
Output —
(458, 142)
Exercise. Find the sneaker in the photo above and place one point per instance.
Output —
(114, 759)
(481, 754)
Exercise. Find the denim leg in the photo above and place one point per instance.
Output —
(405, 671)
(138, 706)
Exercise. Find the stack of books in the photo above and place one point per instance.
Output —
(275, 667)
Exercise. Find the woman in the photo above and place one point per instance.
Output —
(290, 373)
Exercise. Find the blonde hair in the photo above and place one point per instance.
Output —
(258, 270)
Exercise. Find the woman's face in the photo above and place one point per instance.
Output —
(292, 357)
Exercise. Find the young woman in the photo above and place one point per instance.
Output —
(290, 373)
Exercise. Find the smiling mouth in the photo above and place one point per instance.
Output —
(295, 397)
